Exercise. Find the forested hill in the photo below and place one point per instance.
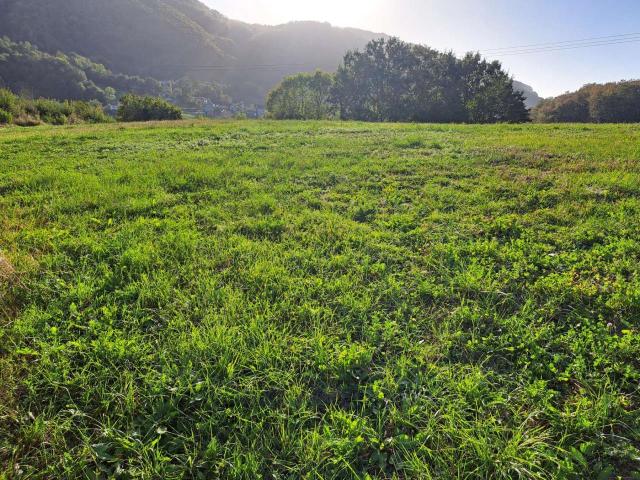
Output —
(141, 37)
(163, 39)
(615, 102)
(27, 70)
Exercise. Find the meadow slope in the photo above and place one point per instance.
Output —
(267, 300)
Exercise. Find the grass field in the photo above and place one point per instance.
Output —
(320, 301)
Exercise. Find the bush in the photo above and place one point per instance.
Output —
(53, 112)
(88, 112)
(5, 117)
(28, 113)
(134, 108)
(7, 100)
(26, 120)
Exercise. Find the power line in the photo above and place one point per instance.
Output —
(547, 47)
(566, 42)
(563, 48)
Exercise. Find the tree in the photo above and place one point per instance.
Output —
(391, 80)
(488, 93)
(374, 85)
(438, 87)
(306, 96)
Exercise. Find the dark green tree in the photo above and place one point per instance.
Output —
(375, 84)
(391, 80)
(488, 92)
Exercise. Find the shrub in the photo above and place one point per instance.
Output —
(134, 108)
(7, 100)
(5, 117)
(27, 113)
(26, 120)
(53, 112)
(89, 112)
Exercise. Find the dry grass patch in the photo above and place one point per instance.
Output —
(7, 269)
(8, 279)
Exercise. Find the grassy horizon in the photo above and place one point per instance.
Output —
(284, 300)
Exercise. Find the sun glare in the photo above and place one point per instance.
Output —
(338, 12)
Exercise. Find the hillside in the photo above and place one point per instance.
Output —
(164, 38)
(141, 37)
(282, 300)
(615, 102)
(26, 69)
(304, 46)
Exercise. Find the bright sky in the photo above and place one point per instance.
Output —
(462, 25)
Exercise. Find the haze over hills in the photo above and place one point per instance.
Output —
(295, 47)
(140, 37)
(168, 39)
(532, 99)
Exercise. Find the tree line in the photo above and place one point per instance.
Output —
(391, 80)
(617, 102)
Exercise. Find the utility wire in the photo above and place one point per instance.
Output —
(548, 47)
(558, 44)
(562, 48)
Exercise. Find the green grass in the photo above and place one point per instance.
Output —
(250, 300)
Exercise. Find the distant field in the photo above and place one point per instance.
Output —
(320, 301)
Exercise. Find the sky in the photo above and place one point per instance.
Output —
(485, 25)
